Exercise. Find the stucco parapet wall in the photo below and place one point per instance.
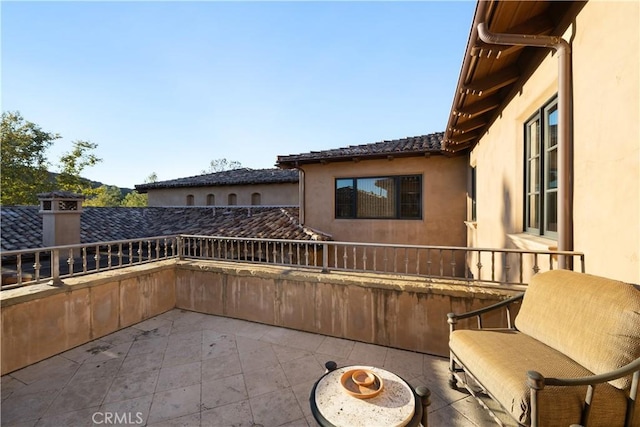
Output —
(393, 282)
(43, 290)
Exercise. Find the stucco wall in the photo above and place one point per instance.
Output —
(444, 208)
(408, 313)
(606, 60)
(40, 321)
(270, 194)
(607, 138)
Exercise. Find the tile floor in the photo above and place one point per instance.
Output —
(189, 369)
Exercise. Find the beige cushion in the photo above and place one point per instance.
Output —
(593, 320)
(500, 360)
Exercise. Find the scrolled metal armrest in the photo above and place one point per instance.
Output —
(452, 317)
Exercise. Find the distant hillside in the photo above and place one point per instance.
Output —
(94, 184)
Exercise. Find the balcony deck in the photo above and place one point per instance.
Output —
(183, 368)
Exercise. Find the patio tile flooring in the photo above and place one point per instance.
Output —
(189, 369)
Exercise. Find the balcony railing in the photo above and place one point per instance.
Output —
(52, 264)
(473, 265)
(504, 266)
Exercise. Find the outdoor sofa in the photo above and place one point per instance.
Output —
(571, 358)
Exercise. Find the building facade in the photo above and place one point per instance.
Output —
(238, 187)
(401, 191)
(552, 133)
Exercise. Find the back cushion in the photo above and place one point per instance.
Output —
(593, 320)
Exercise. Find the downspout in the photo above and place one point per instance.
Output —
(565, 134)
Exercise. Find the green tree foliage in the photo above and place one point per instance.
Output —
(135, 199)
(73, 163)
(105, 195)
(151, 178)
(24, 164)
(219, 165)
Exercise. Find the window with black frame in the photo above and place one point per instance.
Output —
(541, 171)
(382, 197)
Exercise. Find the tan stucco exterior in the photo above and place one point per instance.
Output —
(41, 321)
(606, 89)
(443, 209)
(285, 194)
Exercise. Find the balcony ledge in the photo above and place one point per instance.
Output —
(532, 243)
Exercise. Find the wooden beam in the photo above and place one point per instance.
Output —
(488, 51)
(458, 147)
(468, 125)
(465, 137)
(478, 107)
(492, 82)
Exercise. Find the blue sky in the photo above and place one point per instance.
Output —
(166, 87)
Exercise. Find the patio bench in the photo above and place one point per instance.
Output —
(572, 357)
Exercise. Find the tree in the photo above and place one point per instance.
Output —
(73, 163)
(105, 195)
(135, 199)
(219, 165)
(24, 164)
(151, 178)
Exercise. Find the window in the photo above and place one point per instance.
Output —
(190, 200)
(473, 195)
(232, 199)
(255, 199)
(390, 197)
(541, 172)
(211, 199)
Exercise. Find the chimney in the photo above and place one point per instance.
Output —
(60, 212)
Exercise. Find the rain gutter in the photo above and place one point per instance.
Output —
(565, 123)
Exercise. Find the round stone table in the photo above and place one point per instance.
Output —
(396, 406)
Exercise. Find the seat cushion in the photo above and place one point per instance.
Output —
(500, 359)
(593, 320)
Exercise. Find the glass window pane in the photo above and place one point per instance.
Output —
(410, 196)
(534, 175)
(376, 198)
(473, 195)
(532, 217)
(344, 198)
(551, 214)
(551, 137)
(532, 138)
(551, 167)
(551, 147)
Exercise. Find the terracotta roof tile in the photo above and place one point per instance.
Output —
(412, 146)
(22, 225)
(243, 176)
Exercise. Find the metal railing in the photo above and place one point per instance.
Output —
(52, 264)
(490, 265)
(473, 265)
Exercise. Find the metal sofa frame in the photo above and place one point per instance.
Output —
(535, 380)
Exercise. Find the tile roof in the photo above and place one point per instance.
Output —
(405, 147)
(22, 225)
(242, 176)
